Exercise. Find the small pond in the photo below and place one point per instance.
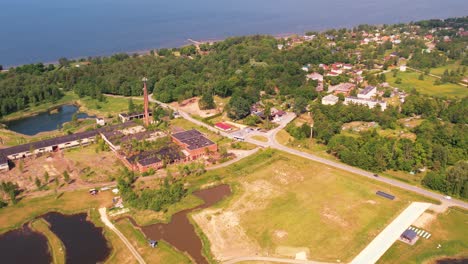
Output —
(84, 242)
(180, 233)
(45, 121)
(23, 245)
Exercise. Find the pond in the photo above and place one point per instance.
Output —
(180, 233)
(45, 121)
(84, 242)
(15, 243)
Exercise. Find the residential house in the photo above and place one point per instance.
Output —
(367, 102)
(330, 99)
(315, 76)
(367, 93)
(342, 88)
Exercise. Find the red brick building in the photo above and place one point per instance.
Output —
(194, 143)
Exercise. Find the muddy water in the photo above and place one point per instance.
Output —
(452, 261)
(24, 246)
(84, 243)
(180, 232)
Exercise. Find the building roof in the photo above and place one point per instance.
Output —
(409, 234)
(193, 139)
(135, 114)
(342, 87)
(3, 159)
(367, 90)
(330, 98)
(223, 126)
(147, 158)
(61, 140)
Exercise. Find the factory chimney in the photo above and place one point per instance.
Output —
(145, 94)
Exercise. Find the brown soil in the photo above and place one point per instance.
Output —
(84, 166)
(222, 226)
(191, 106)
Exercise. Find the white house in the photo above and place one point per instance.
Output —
(367, 93)
(100, 121)
(330, 99)
(402, 68)
(368, 102)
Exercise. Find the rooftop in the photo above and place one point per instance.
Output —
(193, 139)
(367, 90)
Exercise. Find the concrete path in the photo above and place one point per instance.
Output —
(108, 223)
(386, 238)
(269, 259)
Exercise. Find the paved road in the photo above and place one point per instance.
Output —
(383, 241)
(278, 260)
(273, 143)
(108, 223)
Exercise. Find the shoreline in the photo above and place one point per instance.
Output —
(146, 51)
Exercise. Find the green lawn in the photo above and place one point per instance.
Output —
(410, 80)
(333, 213)
(111, 106)
(449, 230)
(452, 66)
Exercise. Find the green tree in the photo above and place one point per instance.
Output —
(131, 106)
(238, 107)
(206, 101)
(66, 176)
(37, 181)
(46, 177)
(10, 189)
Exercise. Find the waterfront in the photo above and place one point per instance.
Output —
(180, 233)
(46, 121)
(43, 31)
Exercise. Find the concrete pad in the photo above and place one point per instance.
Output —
(386, 238)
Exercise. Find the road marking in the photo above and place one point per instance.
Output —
(383, 241)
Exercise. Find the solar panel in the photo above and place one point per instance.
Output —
(385, 195)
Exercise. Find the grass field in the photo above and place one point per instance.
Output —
(56, 246)
(453, 66)
(449, 230)
(112, 105)
(67, 202)
(410, 80)
(333, 213)
(260, 138)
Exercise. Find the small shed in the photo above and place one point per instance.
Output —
(153, 243)
(409, 235)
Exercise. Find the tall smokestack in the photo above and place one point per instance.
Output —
(145, 94)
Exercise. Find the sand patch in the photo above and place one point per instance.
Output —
(331, 215)
(424, 220)
(280, 234)
(222, 226)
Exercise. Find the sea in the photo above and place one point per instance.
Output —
(43, 31)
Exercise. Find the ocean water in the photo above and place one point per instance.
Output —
(43, 31)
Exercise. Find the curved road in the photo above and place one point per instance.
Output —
(278, 260)
(273, 143)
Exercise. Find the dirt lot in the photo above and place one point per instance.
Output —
(84, 166)
(191, 106)
(222, 226)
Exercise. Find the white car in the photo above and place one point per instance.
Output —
(447, 197)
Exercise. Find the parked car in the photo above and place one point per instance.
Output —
(376, 175)
(448, 197)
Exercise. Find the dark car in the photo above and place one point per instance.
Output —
(376, 175)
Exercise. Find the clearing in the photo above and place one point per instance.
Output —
(409, 80)
(328, 213)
